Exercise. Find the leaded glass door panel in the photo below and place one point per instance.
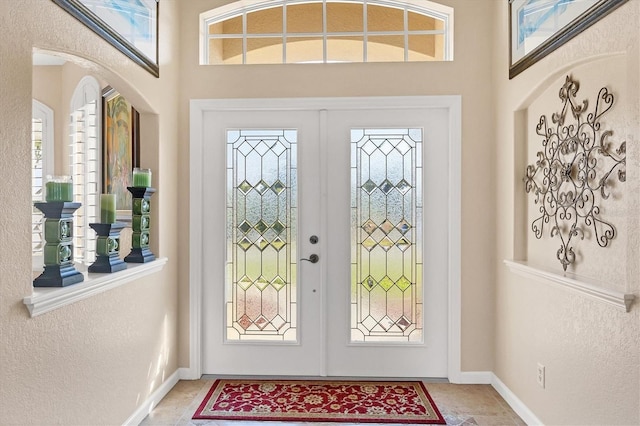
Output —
(388, 237)
(264, 185)
(370, 184)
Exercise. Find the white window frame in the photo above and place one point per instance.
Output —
(242, 7)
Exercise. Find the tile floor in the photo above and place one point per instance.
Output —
(459, 404)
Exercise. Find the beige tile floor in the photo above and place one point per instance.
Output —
(459, 405)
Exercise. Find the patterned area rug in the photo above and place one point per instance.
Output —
(320, 401)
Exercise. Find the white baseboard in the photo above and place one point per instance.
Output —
(489, 378)
(471, 377)
(147, 406)
(188, 374)
(514, 402)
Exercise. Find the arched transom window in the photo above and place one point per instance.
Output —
(316, 31)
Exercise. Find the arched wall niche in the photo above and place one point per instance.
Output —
(521, 229)
(604, 266)
(106, 75)
(76, 69)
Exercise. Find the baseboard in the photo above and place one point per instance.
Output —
(514, 402)
(471, 377)
(147, 406)
(188, 374)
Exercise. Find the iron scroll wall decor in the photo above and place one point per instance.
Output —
(574, 171)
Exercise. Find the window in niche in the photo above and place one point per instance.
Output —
(84, 162)
(41, 165)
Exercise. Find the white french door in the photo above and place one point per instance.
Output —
(261, 306)
(325, 238)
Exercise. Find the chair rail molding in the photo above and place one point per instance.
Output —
(584, 286)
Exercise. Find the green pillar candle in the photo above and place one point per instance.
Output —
(59, 188)
(107, 208)
(141, 178)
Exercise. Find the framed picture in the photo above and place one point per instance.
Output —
(538, 27)
(129, 25)
(120, 149)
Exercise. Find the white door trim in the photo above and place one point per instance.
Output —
(198, 108)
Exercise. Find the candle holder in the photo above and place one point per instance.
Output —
(107, 248)
(58, 250)
(140, 223)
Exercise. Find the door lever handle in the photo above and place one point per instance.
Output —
(313, 258)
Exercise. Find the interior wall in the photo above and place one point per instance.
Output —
(96, 360)
(469, 75)
(591, 350)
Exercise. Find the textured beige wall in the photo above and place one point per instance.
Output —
(95, 361)
(469, 75)
(591, 351)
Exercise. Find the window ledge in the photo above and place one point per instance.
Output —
(589, 288)
(45, 299)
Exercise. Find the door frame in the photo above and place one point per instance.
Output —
(198, 109)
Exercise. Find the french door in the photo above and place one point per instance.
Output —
(325, 237)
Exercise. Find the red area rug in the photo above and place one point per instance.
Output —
(320, 401)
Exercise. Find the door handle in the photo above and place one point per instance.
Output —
(313, 258)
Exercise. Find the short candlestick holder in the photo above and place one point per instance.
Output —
(107, 248)
(140, 223)
(58, 250)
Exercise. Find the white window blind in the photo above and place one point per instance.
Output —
(41, 166)
(84, 161)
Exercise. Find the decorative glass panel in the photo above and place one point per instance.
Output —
(260, 289)
(386, 227)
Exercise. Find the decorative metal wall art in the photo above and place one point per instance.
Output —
(573, 172)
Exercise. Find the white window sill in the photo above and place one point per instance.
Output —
(589, 288)
(45, 299)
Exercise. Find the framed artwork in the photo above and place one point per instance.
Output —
(129, 25)
(538, 27)
(120, 149)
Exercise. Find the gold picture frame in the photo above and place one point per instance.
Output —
(120, 149)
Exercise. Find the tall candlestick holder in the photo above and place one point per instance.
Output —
(58, 250)
(107, 248)
(140, 223)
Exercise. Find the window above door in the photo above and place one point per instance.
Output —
(323, 31)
